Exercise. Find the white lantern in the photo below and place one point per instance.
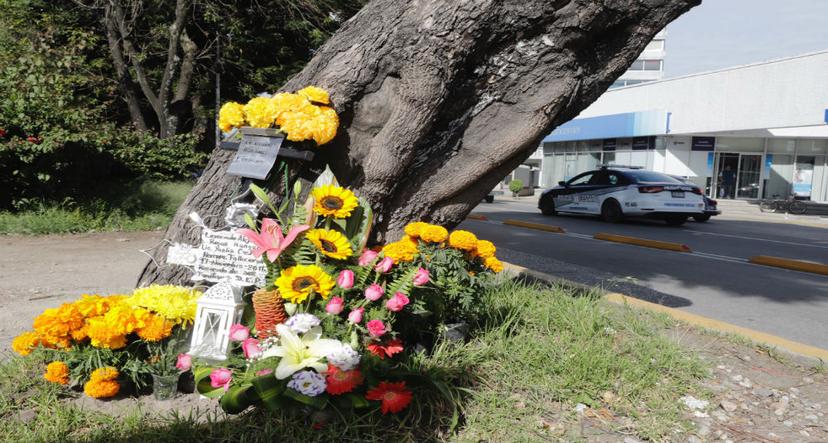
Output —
(220, 307)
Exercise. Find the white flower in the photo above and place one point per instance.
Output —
(344, 358)
(301, 323)
(307, 382)
(300, 353)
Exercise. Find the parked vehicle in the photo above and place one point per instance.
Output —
(615, 192)
(711, 207)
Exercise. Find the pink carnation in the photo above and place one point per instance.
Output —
(397, 302)
(376, 328)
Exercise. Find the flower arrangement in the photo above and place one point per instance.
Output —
(335, 320)
(302, 116)
(95, 335)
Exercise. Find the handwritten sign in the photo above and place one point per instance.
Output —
(225, 256)
(255, 157)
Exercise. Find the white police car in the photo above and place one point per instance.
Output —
(615, 192)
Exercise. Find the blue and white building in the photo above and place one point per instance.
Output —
(767, 121)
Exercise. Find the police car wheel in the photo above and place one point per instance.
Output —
(611, 211)
(549, 208)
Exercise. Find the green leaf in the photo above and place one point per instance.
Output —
(262, 195)
(250, 222)
(358, 401)
(236, 399)
(269, 391)
(316, 402)
(358, 227)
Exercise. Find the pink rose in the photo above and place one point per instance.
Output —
(368, 256)
(356, 315)
(345, 279)
(262, 372)
(335, 305)
(384, 265)
(184, 362)
(376, 328)
(374, 292)
(397, 302)
(239, 332)
(251, 348)
(421, 277)
(220, 378)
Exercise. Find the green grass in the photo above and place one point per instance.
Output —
(537, 354)
(140, 206)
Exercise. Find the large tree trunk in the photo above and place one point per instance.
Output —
(439, 100)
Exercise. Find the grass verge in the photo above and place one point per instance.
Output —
(140, 206)
(538, 353)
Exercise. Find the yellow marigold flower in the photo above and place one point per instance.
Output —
(24, 343)
(409, 240)
(334, 201)
(231, 115)
(463, 240)
(57, 372)
(494, 264)
(101, 388)
(330, 243)
(434, 234)
(94, 305)
(81, 334)
(315, 94)
(157, 328)
(102, 336)
(123, 319)
(298, 282)
(104, 373)
(485, 249)
(175, 303)
(260, 112)
(323, 125)
(50, 325)
(401, 251)
(415, 229)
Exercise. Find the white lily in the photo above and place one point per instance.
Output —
(298, 353)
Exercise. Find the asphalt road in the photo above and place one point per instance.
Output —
(715, 280)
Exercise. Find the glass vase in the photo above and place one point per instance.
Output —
(164, 386)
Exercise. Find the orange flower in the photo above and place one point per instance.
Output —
(24, 343)
(463, 240)
(101, 388)
(105, 373)
(434, 234)
(157, 328)
(57, 372)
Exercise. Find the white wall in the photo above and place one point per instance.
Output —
(789, 92)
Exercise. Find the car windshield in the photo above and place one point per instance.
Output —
(651, 177)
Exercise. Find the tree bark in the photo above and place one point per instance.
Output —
(439, 100)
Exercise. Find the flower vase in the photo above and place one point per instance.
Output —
(164, 386)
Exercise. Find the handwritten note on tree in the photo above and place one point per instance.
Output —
(225, 256)
(256, 156)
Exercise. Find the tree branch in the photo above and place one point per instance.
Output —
(143, 81)
(124, 81)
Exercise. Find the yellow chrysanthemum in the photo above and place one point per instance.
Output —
(123, 319)
(415, 229)
(315, 94)
(434, 234)
(157, 328)
(494, 264)
(105, 373)
(298, 282)
(175, 303)
(294, 125)
(57, 372)
(335, 201)
(463, 240)
(330, 243)
(260, 112)
(24, 343)
(401, 251)
(102, 336)
(485, 249)
(101, 388)
(231, 115)
(323, 125)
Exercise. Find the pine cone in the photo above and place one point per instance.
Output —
(270, 311)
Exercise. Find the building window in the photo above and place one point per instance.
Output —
(646, 65)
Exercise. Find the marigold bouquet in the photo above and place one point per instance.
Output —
(336, 321)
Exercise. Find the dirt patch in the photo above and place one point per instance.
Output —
(45, 271)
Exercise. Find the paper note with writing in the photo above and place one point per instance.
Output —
(225, 255)
(255, 157)
(181, 254)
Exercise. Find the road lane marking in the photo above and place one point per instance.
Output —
(757, 238)
(684, 316)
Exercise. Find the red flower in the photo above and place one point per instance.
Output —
(394, 396)
(388, 349)
(2, 132)
(340, 382)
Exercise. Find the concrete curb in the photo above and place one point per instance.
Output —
(647, 243)
(474, 216)
(538, 226)
(683, 316)
(789, 263)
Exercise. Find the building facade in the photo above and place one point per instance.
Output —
(753, 131)
(649, 66)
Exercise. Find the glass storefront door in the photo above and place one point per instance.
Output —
(750, 168)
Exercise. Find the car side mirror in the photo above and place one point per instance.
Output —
(561, 183)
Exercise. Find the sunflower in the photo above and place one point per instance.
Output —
(334, 201)
(298, 282)
(330, 243)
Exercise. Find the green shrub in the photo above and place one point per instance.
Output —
(515, 186)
